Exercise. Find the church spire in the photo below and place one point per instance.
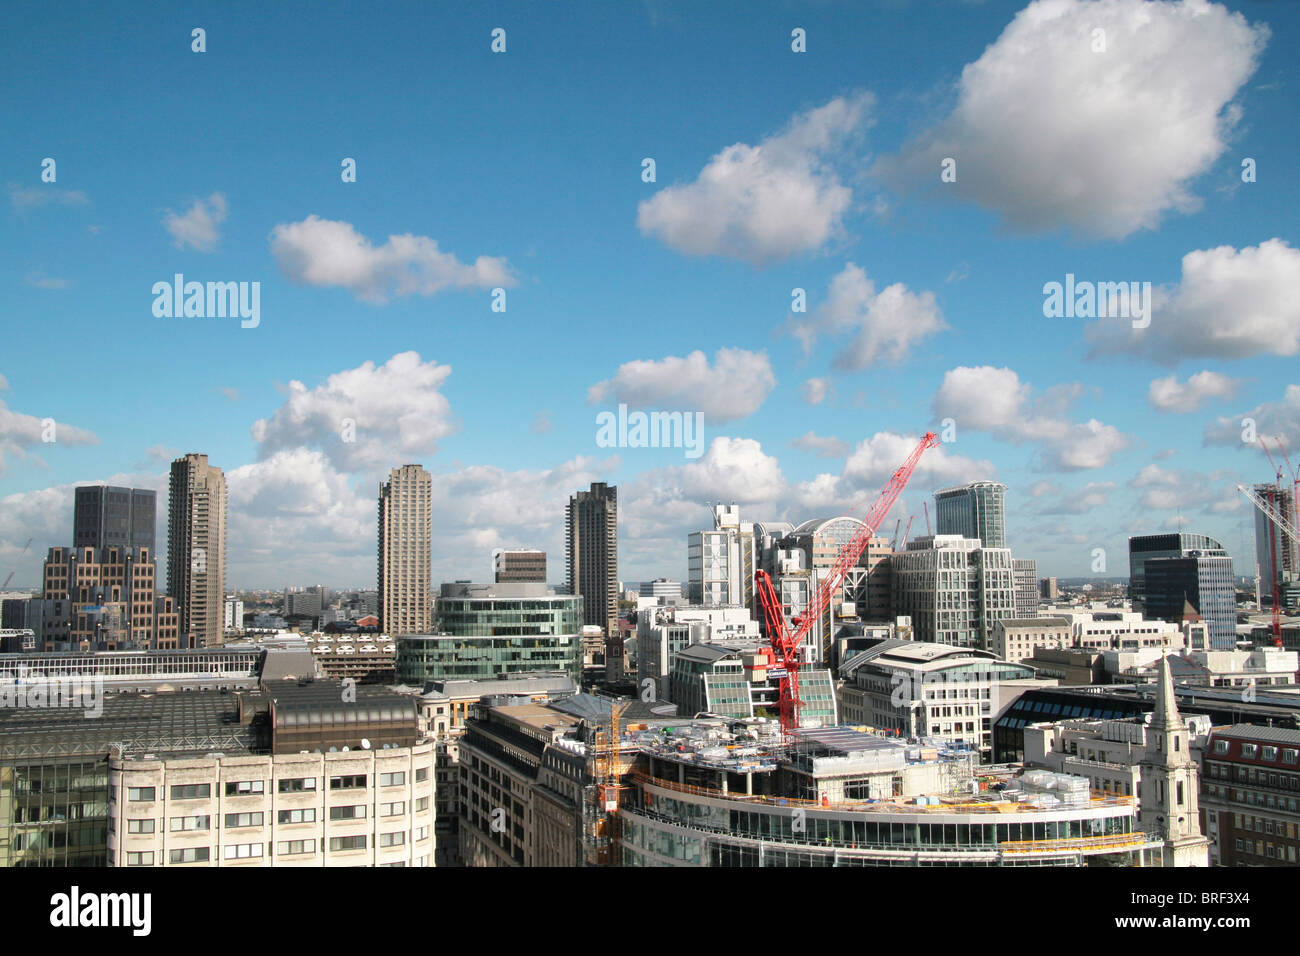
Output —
(1165, 716)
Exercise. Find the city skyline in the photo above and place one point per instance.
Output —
(920, 306)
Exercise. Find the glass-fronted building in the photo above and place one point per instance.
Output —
(976, 510)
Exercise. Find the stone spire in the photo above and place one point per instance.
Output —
(1165, 716)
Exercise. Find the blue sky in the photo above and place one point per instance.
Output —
(775, 170)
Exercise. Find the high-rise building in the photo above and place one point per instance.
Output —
(954, 590)
(591, 550)
(1145, 547)
(974, 510)
(1277, 556)
(105, 516)
(1025, 574)
(406, 552)
(101, 599)
(720, 563)
(520, 567)
(1199, 587)
(196, 549)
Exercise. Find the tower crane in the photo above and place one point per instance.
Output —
(786, 641)
(1276, 520)
(926, 506)
(893, 542)
(20, 558)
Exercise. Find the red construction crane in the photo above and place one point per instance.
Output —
(907, 531)
(786, 642)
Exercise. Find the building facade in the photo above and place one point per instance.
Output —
(196, 549)
(104, 516)
(406, 552)
(520, 567)
(591, 553)
(974, 510)
(954, 590)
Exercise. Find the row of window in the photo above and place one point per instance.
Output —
(199, 791)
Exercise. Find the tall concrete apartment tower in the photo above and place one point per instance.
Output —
(196, 549)
(1169, 782)
(975, 510)
(591, 548)
(406, 552)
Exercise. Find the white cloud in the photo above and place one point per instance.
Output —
(824, 446)
(732, 388)
(197, 228)
(1093, 495)
(24, 197)
(1048, 133)
(20, 432)
(994, 400)
(42, 281)
(885, 325)
(1170, 395)
(764, 203)
(875, 459)
(324, 252)
(396, 410)
(815, 390)
(1271, 419)
(1230, 304)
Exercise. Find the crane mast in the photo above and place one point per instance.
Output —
(1275, 520)
(787, 641)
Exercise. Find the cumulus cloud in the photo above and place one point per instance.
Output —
(396, 411)
(20, 433)
(733, 387)
(324, 252)
(884, 325)
(824, 446)
(1271, 419)
(1163, 488)
(1050, 134)
(762, 204)
(1229, 304)
(1170, 395)
(994, 400)
(815, 390)
(1093, 495)
(41, 281)
(197, 228)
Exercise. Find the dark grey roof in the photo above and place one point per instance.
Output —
(1034, 622)
(1281, 735)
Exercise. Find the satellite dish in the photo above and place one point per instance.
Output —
(345, 749)
(365, 743)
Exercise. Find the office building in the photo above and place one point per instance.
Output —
(406, 552)
(1251, 795)
(1049, 590)
(1142, 548)
(720, 562)
(1024, 573)
(1196, 588)
(196, 549)
(591, 551)
(518, 567)
(662, 632)
(1016, 639)
(105, 516)
(974, 510)
(660, 591)
(740, 680)
(922, 689)
(954, 589)
(102, 599)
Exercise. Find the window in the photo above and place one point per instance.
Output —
(242, 851)
(192, 791)
(298, 816)
(297, 785)
(1270, 753)
(1221, 746)
(197, 822)
(239, 788)
(348, 813)
(140, 859)
(352, 782)
(236, 820)
(295, 847)
(1249, 750)
(422, 774)
(421, 804)
(195, 854)
(397, 779)
(140, 794)
(140, 826)
(392, 809)
(421, 833)
(1289, 755)
(397, 838)
(347, 843)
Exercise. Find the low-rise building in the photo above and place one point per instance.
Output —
(1016, 639)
